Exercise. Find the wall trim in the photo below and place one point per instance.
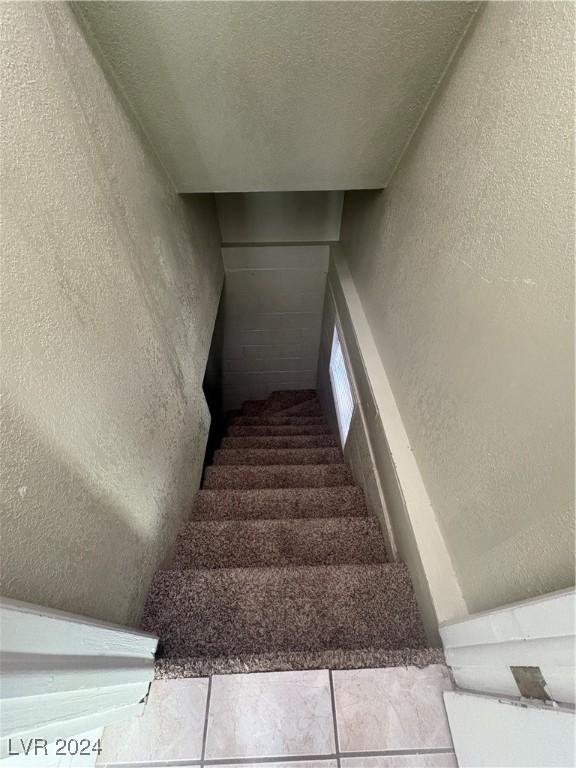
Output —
(537, 634)
(63, 674)
(414, 524)
(489, 731)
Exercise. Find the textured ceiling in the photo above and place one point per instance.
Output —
(247, 96)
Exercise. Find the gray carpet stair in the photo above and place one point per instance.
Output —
(308, 408)
(272, 421)
(293, 541)
(298, 608)
(279, 503)
(281, 441)
(252, 407)
(303, 476)
(278, 429)
(174, 667)
(280, 565)
(280, 456)
(283, 399)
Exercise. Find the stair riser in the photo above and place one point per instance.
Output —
(257, 407)
(277, 430)
(309, 408)
(279, 401)
(312, 476)
(260, 543)
(295, 441)
(272, 421)
(280, 661)
(279, 503)
(252, 407)
(267, 456)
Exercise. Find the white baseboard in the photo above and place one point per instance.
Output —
(63, 675)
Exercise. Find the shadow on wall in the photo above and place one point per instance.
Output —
(212, 387)
(70, 540)
(110, 288)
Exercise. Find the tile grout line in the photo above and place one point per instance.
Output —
(334, 720)
(271, 760)
(205, 731)
(318, 758)
(327, 756)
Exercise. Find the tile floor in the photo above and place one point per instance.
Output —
(365, 718)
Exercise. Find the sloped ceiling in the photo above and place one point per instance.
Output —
(249, 96)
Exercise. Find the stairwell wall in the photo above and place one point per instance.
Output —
(357, 448)
(110, 287)
(381, 457)
(464, 270)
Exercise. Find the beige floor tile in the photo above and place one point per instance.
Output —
(446, 760)
(272, 714)
(171, 728)
(392, 708)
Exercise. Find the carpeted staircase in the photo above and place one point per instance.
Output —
(280, 566)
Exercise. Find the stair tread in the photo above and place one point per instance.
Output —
(304, 608)
(277, 456)
(255, 503)
(281, 441)
(278, 476)
(276, 542)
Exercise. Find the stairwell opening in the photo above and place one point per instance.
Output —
(282, 563)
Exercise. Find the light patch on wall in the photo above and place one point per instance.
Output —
(341, 389)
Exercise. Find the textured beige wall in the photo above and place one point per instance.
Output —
(464, 268)
(110, 286)
(381, 456)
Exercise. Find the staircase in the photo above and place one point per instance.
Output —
(280, 565)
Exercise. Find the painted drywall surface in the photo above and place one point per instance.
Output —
(265, 96)
(280, 217)
(464, 269)
(380, 453)
(272, 309)
(110, 285)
